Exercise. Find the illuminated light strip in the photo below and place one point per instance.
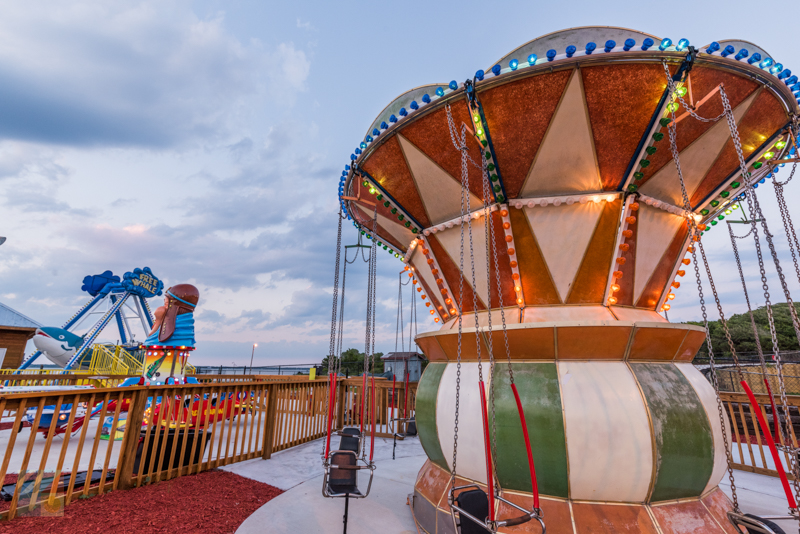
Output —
(666, 206)
(626, 213)
(512, 258)
(678, 264)
(569, 200)
(755, 176)
(439, 275)
(379, 197)
(441, 227)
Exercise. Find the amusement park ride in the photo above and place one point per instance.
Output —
(546, 208)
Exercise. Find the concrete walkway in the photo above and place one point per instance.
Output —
(303, 509)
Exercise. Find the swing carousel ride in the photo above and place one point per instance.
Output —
(545, 210)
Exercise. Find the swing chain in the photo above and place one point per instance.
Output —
(787, 224)
(686, 106)
(332, 346)
(756, 213)
(693, 232)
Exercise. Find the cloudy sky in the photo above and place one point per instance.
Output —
(205, 140)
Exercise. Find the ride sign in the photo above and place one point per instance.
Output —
(143, 282)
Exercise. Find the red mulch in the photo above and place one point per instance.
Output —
(213, 502)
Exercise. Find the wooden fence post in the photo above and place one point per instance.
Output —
(340, 408)
(130, 443)
(269, 428)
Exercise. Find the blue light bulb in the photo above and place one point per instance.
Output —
(439, 91)
(713, 47)
(363, 144)
(790, 80)
(571, 50)
(413, 105)
(761, 181)
(384, 125)
(402, 112)
(755, 58)
(610, 45)
(369, 139)
(784, 74)
(496, 69)
(532, 59)
(741, 54)
(344, 173)
(353, 157)
(647, 43)
(766, 63)
(347, 167)
(776, 68)
(358, 151)
(513, 64)
(479, 75)
(728, 51)
(426, 98)
(665, 43)
(682, 44)
(551, 54)
(590, 47)
(392, 118)
(453, 85)
(376, 132)
(629, 43)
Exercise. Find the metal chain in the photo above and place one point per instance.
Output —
(788, 226)
(686, 106)
(458, 146)
(400, 330)
(334, 309)
(747, 297)
(694, 233)
(756, 214)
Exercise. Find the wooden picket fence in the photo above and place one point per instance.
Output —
(748, 444)
(229, 421)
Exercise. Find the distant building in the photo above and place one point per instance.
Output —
(15, 331)
(400, 362)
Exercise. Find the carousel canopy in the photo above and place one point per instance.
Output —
(573, 127)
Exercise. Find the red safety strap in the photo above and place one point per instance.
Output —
(405, 398)
(363, 398)
(775, 417)
(487, 445)
(534, 485)
(765, 429)
(394, 392)
(331, 397)
(372, 416)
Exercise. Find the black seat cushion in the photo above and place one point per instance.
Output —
(351, 441)
(411, 428)
(770, 524)
(343, 481)
(476, 503)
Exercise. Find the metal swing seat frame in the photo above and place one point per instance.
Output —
(486, 523)
(755, 524)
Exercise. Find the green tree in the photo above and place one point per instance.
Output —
(353, 362)
(741, 331)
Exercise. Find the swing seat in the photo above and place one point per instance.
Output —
(472, 505)
(341, 476)
(756, 525)
(351, 440)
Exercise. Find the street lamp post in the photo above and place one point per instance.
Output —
(251, 356)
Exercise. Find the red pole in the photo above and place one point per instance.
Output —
(372, 414)
(487, 445)
(534, 485)
(765, 429)
(405, 398)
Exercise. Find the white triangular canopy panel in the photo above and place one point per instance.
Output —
(653, 236)
(399, 232)
(565, 162)
(696, 160)
(451, 241)
(440, 192)
(564, 258)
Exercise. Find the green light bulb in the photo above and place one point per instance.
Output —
(769, 155)
(780, 144)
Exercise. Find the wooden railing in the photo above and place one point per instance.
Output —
(748, 444)
(228, 422)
